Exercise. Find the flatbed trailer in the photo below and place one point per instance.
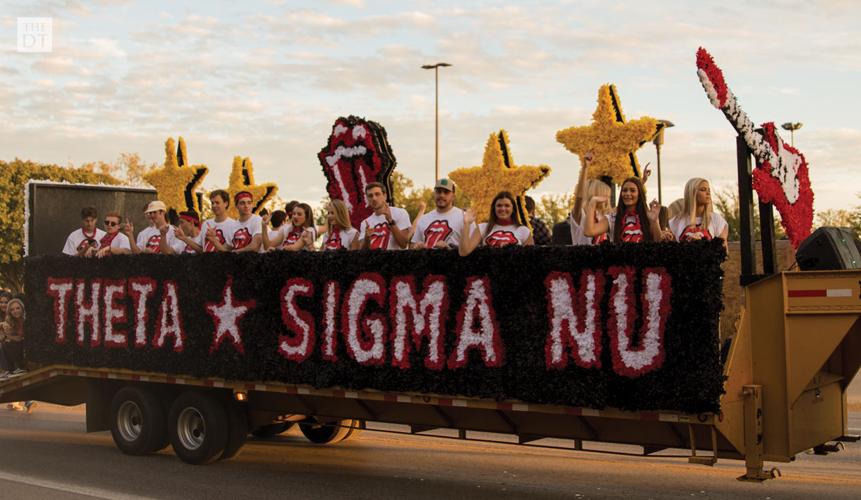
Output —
(786, 377)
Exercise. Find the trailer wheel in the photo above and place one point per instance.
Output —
(138, 423)
(321, 433)
(272, 430)
(237, 421)
(198, 427)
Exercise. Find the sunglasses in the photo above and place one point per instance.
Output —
(111, 223)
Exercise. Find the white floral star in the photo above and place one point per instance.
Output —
(226, 317)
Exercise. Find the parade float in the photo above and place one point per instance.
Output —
(609, 343)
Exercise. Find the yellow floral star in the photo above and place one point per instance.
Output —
(242, 179)
(177, 185)
(497, 173)
(610, 139)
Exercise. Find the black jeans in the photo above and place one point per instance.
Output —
(14, 354)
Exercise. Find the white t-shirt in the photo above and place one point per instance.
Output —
(150, 238)
(578, 237)
(119, 241)
(223, 229)
(245, 231)
(679, 227)
(339, 239)
(294, 234)
(181, 247)
(73, 242)
(272, 235)
(379, 234)
(502, 236)
(436, 226)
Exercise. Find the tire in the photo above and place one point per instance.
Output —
(237, 421)
(198, 427)
(327, 433)
(138, 421)
(272, 430)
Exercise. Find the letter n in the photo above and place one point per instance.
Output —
(575, 320)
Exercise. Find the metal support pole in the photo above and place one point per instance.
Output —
(658, 152)
(745, 212)
(436, 121)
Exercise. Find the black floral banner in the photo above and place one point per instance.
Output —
(632, 326)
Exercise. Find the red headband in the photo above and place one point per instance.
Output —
(243, 194)
(193, 220)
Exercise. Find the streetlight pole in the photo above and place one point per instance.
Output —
(659, 141)
(792, 127)
(435, 68)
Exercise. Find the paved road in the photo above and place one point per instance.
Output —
(47, 455)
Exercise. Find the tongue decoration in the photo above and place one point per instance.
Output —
(357, 153)
(781, 176)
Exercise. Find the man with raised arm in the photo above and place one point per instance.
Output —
(442, 227)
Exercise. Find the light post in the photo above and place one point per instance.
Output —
(792, 127)
(659, 141)
(435, 68)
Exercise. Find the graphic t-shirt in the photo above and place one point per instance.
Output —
(632, 229)
(77, 237)
(436, 226)
(682, 230)
(338, 239)
(115, 240)
(376, 230)
(150, 238)
(502, 236)
(224, 230)
(292, 234)
(577, 228)
(245, 231)
(181, 247)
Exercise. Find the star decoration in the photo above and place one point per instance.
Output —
(226, 317)
(612, 140)
(177, 184)
(242, 179)
(497, 173)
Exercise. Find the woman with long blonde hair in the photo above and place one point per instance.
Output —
(340, 235)
(698, 220)
(586, 190)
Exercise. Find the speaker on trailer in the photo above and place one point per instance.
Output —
(829, 248)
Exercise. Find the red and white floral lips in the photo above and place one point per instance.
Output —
(357, 153)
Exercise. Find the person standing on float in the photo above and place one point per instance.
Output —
(189, 225)
(114, 242)
(249, 227)
(159, 237)
(341, 234)
(216, 234)
(501, 230)
(388, 228)
(633, 222)
(299, 234)
(698, 220)
(443, 227)
(84, 241)
(586, 190)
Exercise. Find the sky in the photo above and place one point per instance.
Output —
(267, 80)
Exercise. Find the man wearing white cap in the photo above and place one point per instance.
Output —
(442, 227)
(157, 238)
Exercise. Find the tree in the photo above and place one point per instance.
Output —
(554, 208)
(13, 179)
(841, 218)
(726, 202)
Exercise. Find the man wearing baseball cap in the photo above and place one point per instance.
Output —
(158, 237)
(442, 227)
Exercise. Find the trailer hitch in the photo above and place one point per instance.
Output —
(826, 448)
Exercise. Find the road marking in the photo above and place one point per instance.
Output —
(67, 488)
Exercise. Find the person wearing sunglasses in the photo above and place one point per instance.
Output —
(113, 242)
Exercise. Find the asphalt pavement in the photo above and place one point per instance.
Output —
(47, 454)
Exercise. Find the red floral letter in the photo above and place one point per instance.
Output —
(113, 315)
(628, 360)
(140, 290)
(330, 322)
(299, 346)
(59, 289)
(359, 326)
(575, 320)
(169, 319)
(87, 312)
(427, 313)
(477, 308)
